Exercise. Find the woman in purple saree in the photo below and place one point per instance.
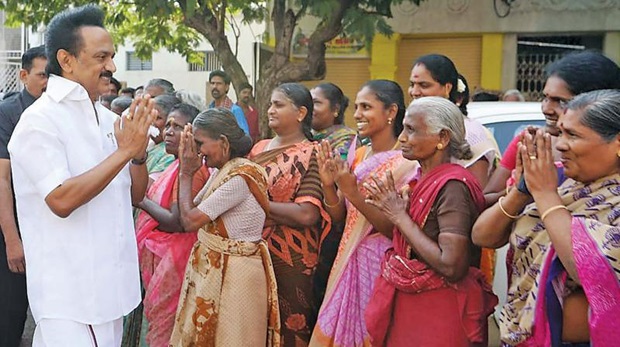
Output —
(565, 288)
(380, 109)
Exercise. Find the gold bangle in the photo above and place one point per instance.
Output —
(331, 206)
(551, 209)
(499, 202)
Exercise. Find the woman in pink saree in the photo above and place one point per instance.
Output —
(163, 245)
(565, 288)
(379, 115)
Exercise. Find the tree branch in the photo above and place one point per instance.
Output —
(377, 13)
(302, 10)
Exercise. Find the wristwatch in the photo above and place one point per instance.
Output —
(140, 161)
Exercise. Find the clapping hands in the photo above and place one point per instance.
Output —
(190, 159)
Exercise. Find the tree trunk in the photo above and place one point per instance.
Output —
(207, 26)
(279, 68)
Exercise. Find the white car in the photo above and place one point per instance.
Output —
(505, 120)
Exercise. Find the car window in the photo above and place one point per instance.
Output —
(504, 132)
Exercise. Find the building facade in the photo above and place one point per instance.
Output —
(494, 45)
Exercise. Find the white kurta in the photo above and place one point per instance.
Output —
(84, 267)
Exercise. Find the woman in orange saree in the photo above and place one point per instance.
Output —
(297, 223)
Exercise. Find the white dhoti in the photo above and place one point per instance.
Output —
(63, 333)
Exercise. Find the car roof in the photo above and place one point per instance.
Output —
(502, 111)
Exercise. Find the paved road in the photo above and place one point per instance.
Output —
(29, 330)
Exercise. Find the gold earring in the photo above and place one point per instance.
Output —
(618, 154)
(390, 121)
(335, 114)
(299, 120)
(440, 146)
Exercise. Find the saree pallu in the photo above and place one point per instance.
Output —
(293, 178)
(163, 257)
(410, 299)
(341, 318)
(339, 137)
(158, 159)
(526, 319)
(342, 139)
(222, 303)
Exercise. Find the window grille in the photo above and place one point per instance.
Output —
(209, 63)
(136, 64)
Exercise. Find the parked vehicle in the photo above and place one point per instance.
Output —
(505, 120)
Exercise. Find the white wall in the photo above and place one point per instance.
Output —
(173, 67)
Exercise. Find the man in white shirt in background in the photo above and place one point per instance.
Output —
(74, 185)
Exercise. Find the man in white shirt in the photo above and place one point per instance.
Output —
(74, 188)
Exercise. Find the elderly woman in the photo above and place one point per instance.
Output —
(564, 281)
(297, 223)
(229, 296)
(157, 159)
(429, 280)
(163, 244)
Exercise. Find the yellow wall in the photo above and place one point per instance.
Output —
(464, 51)
(491, 62)
(384, 57)
(349, 74)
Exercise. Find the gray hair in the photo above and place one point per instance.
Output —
(219, 121)
(165, 85)
(601, 111)
(192, 98)
(441, 114)
(166, 102)
(122, 102)
(514, 92)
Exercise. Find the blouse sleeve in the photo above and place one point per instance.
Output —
(454, 209)
(310, 185)
(227, 196)
(509, 158)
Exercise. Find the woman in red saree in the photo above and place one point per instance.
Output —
(297, 223)
(430, 292)
(163, 244)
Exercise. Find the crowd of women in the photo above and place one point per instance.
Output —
(311, 238)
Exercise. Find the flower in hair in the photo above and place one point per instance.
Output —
(461, 87)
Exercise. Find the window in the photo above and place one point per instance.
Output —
(210, 63)
(136, 64)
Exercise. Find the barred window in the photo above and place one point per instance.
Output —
(209, 63)
(136, 64)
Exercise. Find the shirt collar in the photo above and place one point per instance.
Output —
(59, 88)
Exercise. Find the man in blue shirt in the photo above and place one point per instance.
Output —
(220, 83)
